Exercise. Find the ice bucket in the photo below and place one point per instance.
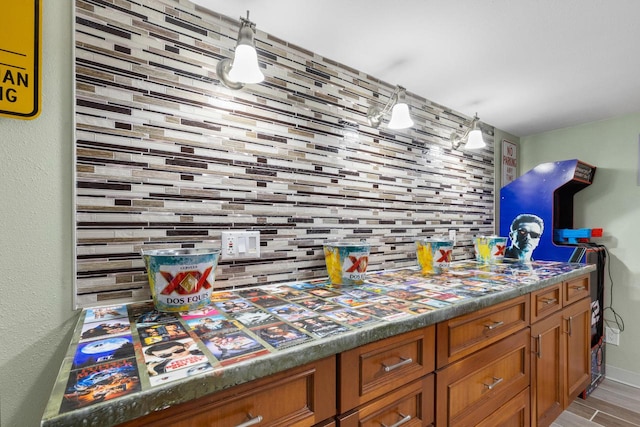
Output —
(181, 279)
(347, 262)
(434, 255)
(489, 249)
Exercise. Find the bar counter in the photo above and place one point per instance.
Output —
(126, 361)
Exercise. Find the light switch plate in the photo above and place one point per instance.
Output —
(240, 244)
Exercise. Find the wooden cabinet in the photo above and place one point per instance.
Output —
(409, 406)
(577, 358)
(470, 391)
(373, 381)
(560, 359)
(517, 363)
(464, 335)
(301, 396)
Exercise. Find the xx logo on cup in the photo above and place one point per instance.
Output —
(359, 264)
(186, 282)
(445, 255)
(500, 250)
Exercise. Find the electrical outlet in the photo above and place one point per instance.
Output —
(240, 244)
(612, 335)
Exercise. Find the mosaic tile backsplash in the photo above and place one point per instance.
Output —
(168, 157)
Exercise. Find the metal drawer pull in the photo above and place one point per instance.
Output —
(494, 325)
(539, 352)
(401, 363)
(496, 381)
(547, 301)
(252, 421)
(405, 419)
(579, 288)
(570, 319)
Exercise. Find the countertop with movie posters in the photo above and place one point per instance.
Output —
(125, 361)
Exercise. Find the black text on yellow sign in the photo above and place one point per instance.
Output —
(20, 58)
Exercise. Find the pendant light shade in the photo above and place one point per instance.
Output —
(472, 139)
(400, 116)
(245, 68)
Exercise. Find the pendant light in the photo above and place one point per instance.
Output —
(400, 116)
(472, 138)
(245, 68)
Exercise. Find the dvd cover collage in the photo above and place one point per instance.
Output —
(123, 349)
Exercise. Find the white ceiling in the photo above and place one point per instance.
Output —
(524, 66)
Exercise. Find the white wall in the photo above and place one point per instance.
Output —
(36, 315)
(613, 203)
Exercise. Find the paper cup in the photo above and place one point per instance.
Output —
(347, 262)
(181, 279)
(489, 249)
(434, 255)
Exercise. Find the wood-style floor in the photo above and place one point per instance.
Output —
(611, 404)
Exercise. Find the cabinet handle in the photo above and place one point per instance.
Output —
(252, 421)
(547, 301)
(494, 325)
(570, 319)
(579, 288)
(405, 419)
(539, 352)
(403, 361)
(495, 382)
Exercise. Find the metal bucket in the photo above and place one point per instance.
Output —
(347, 262)
(489, 249)
(434, 255)
(181, 279)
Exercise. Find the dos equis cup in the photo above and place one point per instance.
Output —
(434, 255)
(347, 262)
(490, 249)
(181, 279)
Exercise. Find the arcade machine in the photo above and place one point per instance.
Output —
(538, 207)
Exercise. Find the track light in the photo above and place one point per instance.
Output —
(400, 117)
(245, 68)
(472, 138)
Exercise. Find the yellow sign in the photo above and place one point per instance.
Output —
(20, 58)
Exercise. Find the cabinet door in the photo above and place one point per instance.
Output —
(371, 370)
(577, 334)
(514, 413)
(411, 405)
(300, 397)
(472, 389)
(466, 334)
(547, 370)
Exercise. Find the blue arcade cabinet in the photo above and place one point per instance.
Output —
(536, 213)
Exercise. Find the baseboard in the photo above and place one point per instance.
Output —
(622, 376)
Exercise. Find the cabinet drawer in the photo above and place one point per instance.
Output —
(473, 388)
(300, 397)
(576, 289)
(374, 369)
(463, 335)
(514, 413)
(546, 301)
(410, 405)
